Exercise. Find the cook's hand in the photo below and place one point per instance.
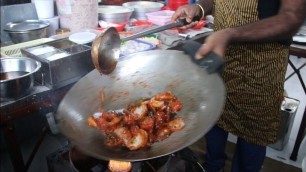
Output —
(216, 42)
(188, 12)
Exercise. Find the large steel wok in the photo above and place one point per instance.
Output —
(137, 76)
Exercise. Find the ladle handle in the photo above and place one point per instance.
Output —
(178, 23)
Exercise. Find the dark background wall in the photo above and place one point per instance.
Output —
(12, 2)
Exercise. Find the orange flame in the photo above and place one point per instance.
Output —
(119, 166)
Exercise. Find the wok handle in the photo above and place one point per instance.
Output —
(212, 63)
(178, 23)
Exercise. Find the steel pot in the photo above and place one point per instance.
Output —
(17, 76)
(142, 7)
(27, 30)
(113, 13)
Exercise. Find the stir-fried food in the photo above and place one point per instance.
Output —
(141, 124)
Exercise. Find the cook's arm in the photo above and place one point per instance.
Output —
(193, 12)
(284, 25)
(281, 26)
(207, 6)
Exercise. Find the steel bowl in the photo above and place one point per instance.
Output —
(27, 30)
(17, 76)
(113, 13)
(142, 7)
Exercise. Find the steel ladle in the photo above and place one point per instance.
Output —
(106, 47)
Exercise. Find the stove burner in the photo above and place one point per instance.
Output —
(71, 160)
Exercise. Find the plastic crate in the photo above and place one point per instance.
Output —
(134, 46)
(160, 17)
(14, 50)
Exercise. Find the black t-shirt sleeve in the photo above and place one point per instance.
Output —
(268, 8)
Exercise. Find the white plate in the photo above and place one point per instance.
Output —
(82, 37)
(300, 39)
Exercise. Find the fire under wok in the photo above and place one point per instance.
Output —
(137, 76)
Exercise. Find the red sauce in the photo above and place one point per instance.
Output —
(12, 75)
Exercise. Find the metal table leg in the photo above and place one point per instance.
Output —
(300, 135)
(13, 147)
(15, 151)
(299, 138)
(36, 147)
(297, 71)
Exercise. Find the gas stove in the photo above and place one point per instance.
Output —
(69, 159)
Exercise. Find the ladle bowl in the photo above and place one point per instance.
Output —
(106, 50)
(106, 47)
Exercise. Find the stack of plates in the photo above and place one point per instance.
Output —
(82, 37)
(299, 38)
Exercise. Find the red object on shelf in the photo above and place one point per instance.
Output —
(166, 8)
(142, 23)
(200, 24)
(99, 28)
(119, 26)
(175, 4)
